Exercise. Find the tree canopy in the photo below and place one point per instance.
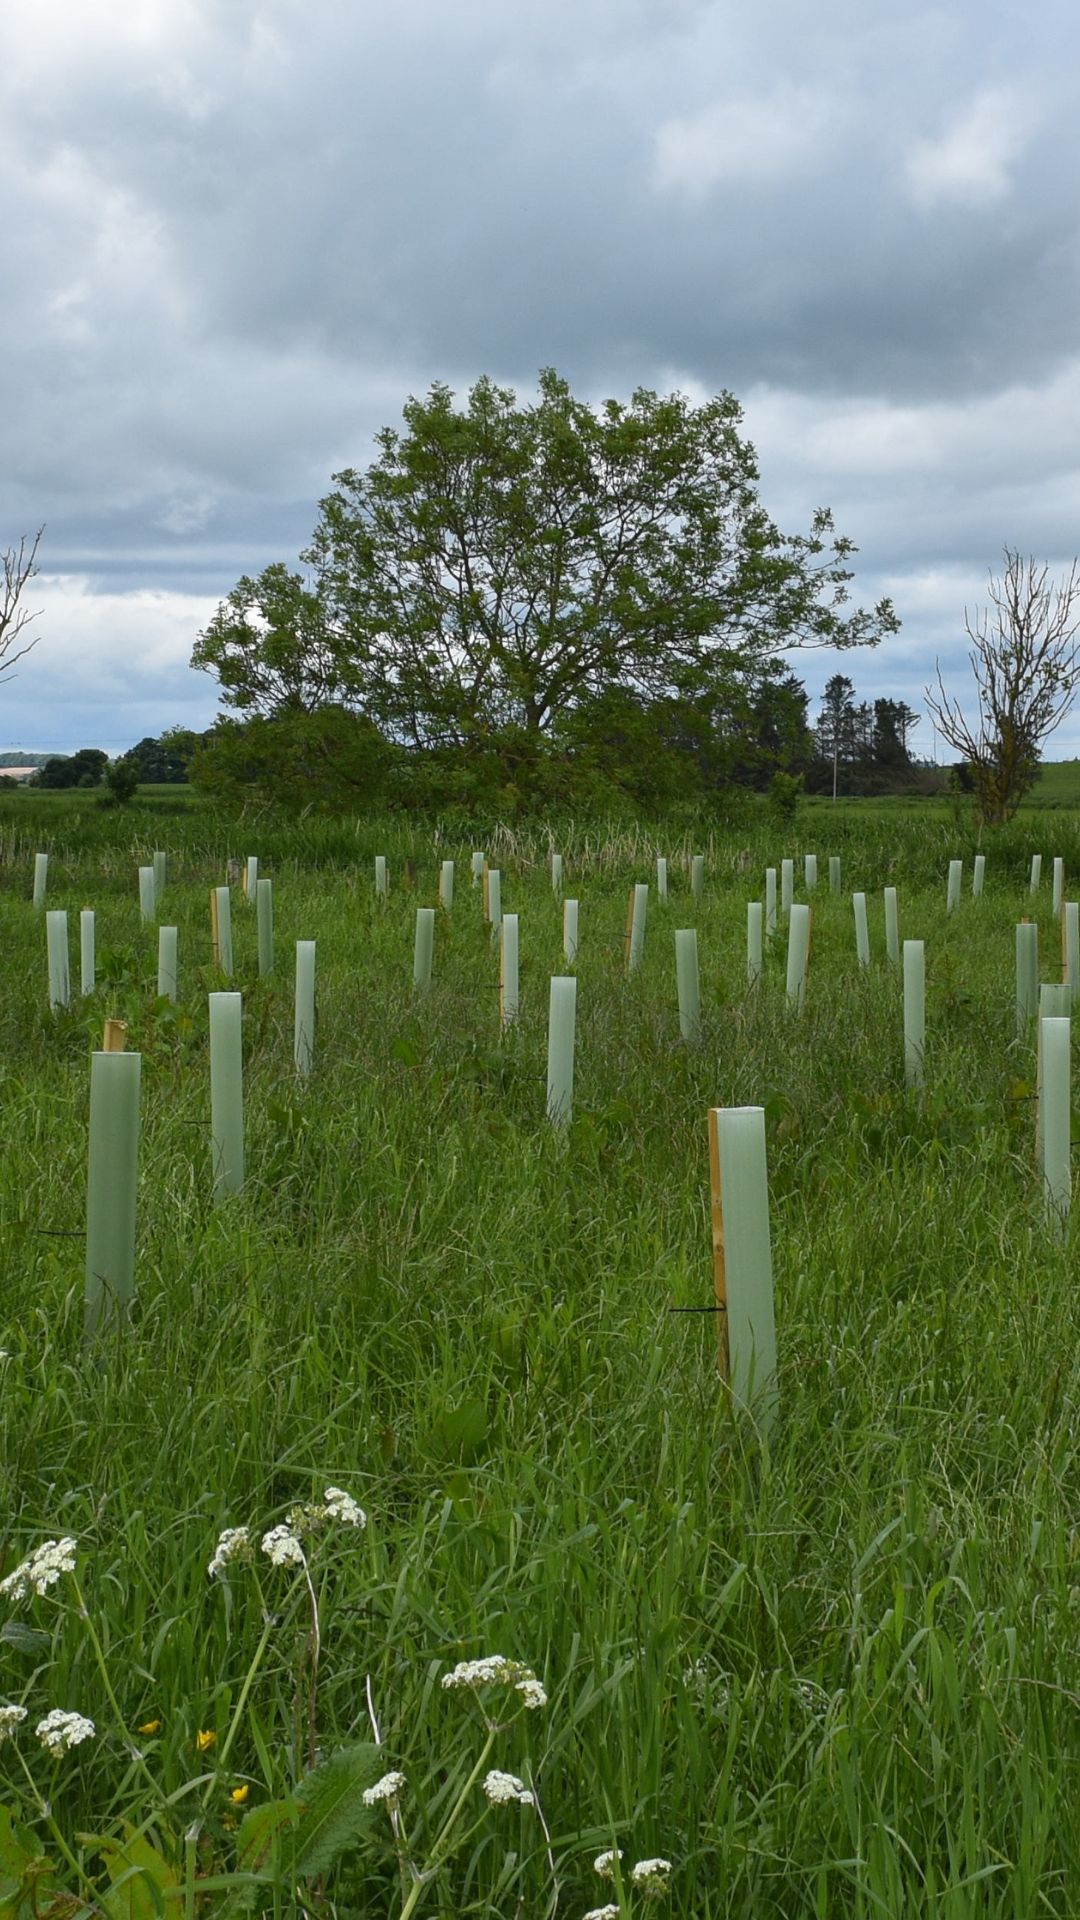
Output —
(499, 568)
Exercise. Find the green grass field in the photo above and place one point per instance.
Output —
(835, 1672)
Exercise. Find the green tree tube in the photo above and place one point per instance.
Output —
(264, 923)
(770, 902)
(508, 970)
(423, 948)
(1054, 1107)
(477, 867)
(834, 873)
(1059, 884)
(636, 950)
(787, 886)
(226, 1094)
(304, 1013)
(56, 943)
(688, 985)
(159, 875)
(1054, 1004)
(1036, 873)
(956, 875)
(798, 954)
(978, 875)
(862, 930)
(562, 1017)
(87, 951)
(661, 877)
(556, 873)
(748, 1276)
(41, 874)
(570, 932)
(382, 878)
(111, 1184)
(446, 886)
(697, 875)
(810, 872)
(147, 896)
(914, 1012)
(251, 887)
(755, 955)
(494, 900)
(224, 920)
(167, 970)
(1072, 949)
(1027, 976)
(892, 928)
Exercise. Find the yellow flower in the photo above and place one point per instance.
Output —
(151, 1726)
(240, 1794)
(205, 1740)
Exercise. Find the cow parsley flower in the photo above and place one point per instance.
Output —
(10, 1718)
(233, 1544)
(282, 1548)
(494, 1670)
(610, 1912)
(502, 1788)
(341, 1506)
(41, 1570)
(60, 1731)
(605, 1863)
(650, 1875)
(388, 1788)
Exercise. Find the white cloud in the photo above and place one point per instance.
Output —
(749, 142)
(971, 163)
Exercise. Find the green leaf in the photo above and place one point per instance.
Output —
(459, 1432)
(332, 1810)
(260, 1828)
(16, 1633)
(143, 1881)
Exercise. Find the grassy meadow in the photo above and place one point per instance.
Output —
(833, 1672)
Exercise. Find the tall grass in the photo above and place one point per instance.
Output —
(834, 1675)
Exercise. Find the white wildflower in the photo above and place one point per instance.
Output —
(282, 1548)
(10, 1718)
(59, 1731)
(388, 1788)
(610, 1912)
(342, 1507)
(604, 1864)
(233, 1544)
(650, 1875)
(532, 1693)
(41, 1570)
(494, 1670)
(304, 1520)
(502, 1788)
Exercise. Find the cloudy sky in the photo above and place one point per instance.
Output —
(237, 235)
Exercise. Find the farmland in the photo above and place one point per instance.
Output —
(827, 1671)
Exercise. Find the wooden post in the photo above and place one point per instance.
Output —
(719, 1261)
(410, 873)
(114, 1036)
(484, 886)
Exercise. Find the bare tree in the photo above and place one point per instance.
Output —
(1026, 663)
(20, 566)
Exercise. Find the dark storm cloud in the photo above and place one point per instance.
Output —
(244, 232)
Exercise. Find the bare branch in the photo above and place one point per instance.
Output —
(19, 567)
(1026, 661)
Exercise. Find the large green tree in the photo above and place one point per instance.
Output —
(498, 565)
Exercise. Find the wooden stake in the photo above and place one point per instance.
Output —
(719, 1261)
(410, 873)
(114, 1036)
(484, 884)
(215, 934)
